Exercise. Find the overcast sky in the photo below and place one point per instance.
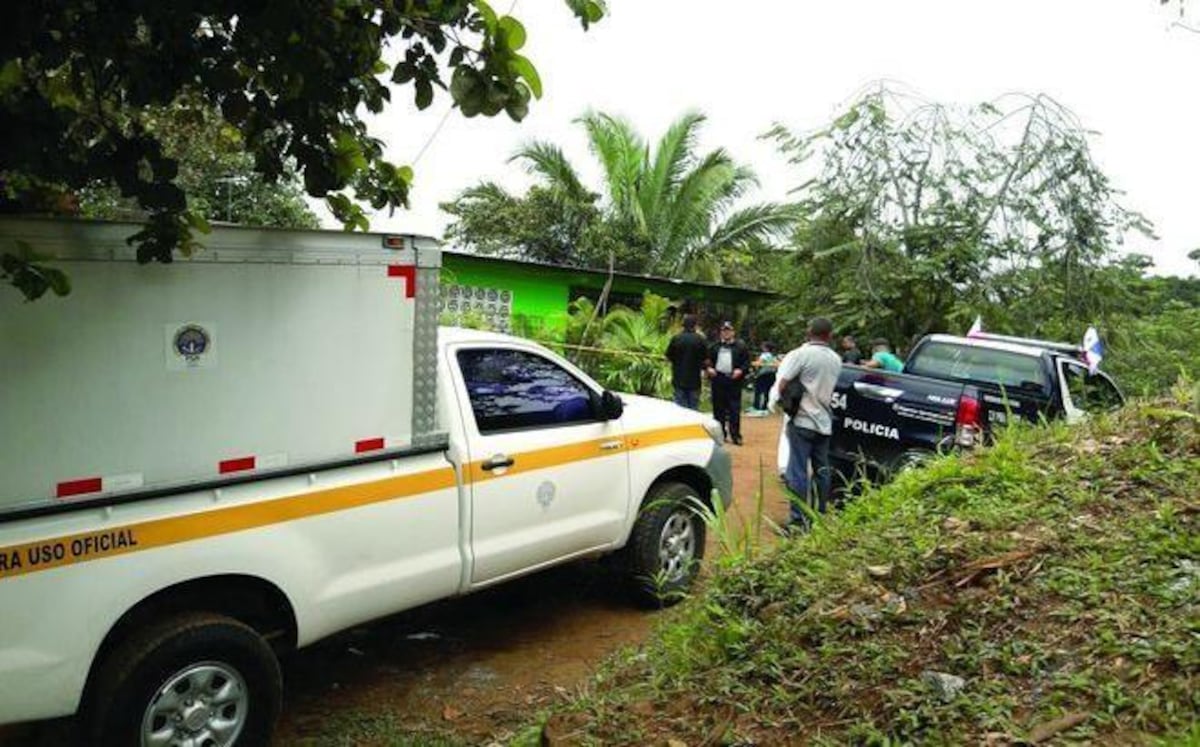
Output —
(1115, 63)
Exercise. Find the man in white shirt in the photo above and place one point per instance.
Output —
(817, 366)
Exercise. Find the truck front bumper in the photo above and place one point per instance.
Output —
(720, 471)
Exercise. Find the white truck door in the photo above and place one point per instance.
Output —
(548, 478)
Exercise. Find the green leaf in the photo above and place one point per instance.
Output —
(424, 93)
(489, 15)
(198, 222)
(524, 68)
(404, 72)
(57, 280)
(594, 10)
(10, 76)
(405, 174)
(518, 104)
(587, 11)
(512, 31)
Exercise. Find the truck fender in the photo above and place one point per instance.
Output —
(252, 600)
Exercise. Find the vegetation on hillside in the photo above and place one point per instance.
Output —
(1046, 588)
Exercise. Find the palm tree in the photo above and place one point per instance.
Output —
(676, 204)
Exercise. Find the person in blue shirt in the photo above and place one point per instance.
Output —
(883, 357)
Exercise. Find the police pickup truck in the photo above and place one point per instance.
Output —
(207, 464)
(952, 392)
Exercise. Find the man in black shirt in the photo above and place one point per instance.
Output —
(850, 352)
(687, 351)
(727, 365)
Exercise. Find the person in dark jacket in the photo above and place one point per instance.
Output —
(687, 352)
(851, 355)
(727, 364)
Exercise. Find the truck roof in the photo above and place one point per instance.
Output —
(980, 342)
(451, 335)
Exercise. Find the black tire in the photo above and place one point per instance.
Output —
(655, 581)
(909, 460)
(124, 688)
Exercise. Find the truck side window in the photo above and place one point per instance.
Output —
(513, 389)
(1091, 394)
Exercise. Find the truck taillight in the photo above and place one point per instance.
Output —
(967, 425)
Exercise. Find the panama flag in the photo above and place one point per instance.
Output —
(976, 327)
(1093, 350)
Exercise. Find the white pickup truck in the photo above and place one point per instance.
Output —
(209, 463)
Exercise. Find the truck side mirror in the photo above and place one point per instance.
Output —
(611, 406)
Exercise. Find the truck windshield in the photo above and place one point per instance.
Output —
(942, 360)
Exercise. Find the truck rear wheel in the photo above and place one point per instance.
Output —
(199, 679)
(910, 460)
(664, 550)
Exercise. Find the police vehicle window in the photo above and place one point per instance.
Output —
(511, 389)
(966, 363)
(1090, 393)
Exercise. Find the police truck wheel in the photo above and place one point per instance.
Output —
(201, 680)
(910, 460)
(664, 550)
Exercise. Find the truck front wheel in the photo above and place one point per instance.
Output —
(195, 679)
(664, 550)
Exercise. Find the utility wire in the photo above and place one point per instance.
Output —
(446, 115)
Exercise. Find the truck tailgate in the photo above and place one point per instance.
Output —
(878, 416)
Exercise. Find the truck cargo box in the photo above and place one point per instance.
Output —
(267, 351)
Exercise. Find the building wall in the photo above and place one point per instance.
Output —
(539, 299)
(540, 295)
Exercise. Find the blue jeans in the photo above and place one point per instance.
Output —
(808, 445)
(762, 390)
(689, 398)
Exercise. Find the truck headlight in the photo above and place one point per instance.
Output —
(713, 428)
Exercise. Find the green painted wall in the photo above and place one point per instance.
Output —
(540, 297)
(541, 294)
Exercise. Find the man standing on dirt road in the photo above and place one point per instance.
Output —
(727, 364)
(687, 351)
(817, 366)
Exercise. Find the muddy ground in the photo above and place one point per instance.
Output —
(477, 667)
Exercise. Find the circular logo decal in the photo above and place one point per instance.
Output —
(191, 341)
(545, 494)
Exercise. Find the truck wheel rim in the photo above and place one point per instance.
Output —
(202, 705)
(677, 545)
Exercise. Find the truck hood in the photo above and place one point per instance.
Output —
(649, 411)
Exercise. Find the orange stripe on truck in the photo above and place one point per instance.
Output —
(56, 552)
(525, 461)
(17, 560)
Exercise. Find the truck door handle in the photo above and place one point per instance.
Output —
(611, 445)
(875, 391)
(500, 461)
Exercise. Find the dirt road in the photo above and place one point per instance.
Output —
(473, 669)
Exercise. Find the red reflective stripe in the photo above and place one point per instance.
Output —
(409, 273)
(79, 487)
(236, 465)
(368, 444)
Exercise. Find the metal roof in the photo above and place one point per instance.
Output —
(721, 287)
